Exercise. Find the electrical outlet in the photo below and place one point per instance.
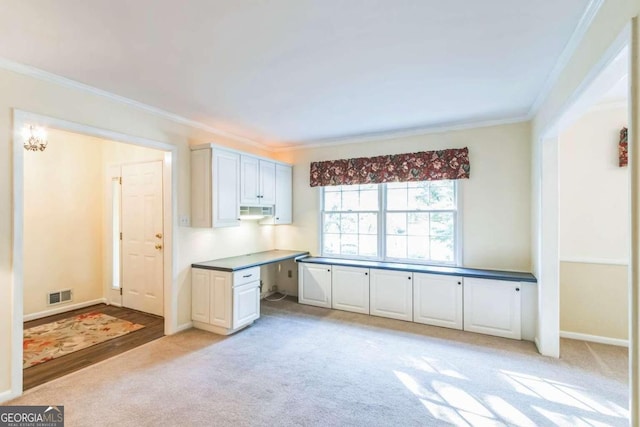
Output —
(184, 221)
(289, 274)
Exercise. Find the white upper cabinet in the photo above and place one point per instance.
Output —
(258, 181)
(283, 211)
(215, 188)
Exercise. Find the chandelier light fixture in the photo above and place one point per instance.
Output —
(35, 138)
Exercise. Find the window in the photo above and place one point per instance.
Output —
(409, 221)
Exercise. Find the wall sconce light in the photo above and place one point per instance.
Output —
(35, 139)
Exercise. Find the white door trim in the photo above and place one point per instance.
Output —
(170, 209)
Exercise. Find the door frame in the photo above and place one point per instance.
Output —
(170, 206)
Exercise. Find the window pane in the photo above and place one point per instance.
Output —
(397, 246)
(368, 200)
(349, 244)
(332, 201)
(368, 245)
(350, 200)
(418, 224)
(397, 199)
(331, 244)
(397, 223)
(419, 196)
(441, 224)
(349, 223)
(418, 247)
(368, 223)
(332, 223)
(442, 248)
(442, 195)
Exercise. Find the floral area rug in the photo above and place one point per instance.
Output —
(55, 339)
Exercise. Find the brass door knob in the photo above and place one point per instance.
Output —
(158, 246)
(159, 235)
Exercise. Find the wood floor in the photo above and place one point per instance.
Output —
(44, 372)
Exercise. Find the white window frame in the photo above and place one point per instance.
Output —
(382, 232)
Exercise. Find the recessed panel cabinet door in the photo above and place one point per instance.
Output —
(437, 300)
(246, 304)
(267, 182)
(314, 284)
(283, 208)
(226, 173)
(492, 307)
(200, 287)
(391, 294)
(350, 289)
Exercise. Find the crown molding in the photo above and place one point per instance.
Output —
(39, 74)
(377, 136)
(567, 53)
(610, 105)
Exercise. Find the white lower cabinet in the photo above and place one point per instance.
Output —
(437, 300)
(492, 307)
(222, 303)
(314, 284)
(350, 289)
(391, 294)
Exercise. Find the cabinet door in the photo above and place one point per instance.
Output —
(437, 300)
(314, 284)
(492, 307)
(200, 285)
(220, 299)
(283, 208)
(391, 294)
(350, 288)
(249, 181)
(267, 186)
(201, 188)
(226, 187)
(246, 304)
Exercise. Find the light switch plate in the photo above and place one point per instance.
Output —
(184, 221)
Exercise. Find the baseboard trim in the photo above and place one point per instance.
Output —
(594, 338)
(7, 395)
(62, 309)
(183, 327)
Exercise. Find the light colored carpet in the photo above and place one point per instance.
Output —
(301, 365)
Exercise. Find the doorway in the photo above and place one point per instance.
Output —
(164, 298)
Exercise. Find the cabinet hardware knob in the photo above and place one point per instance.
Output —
(366, 274)
(247, 275)
(328, 269)
(277, 219)
(409, 277)
(517, 289)
(459, 283)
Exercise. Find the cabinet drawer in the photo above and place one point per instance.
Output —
(246, 275)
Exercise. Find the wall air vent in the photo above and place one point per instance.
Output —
(58, 297)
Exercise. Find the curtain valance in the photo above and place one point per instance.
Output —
(421, 166)
(623, 149)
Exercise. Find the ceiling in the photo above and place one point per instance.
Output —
(289, 72)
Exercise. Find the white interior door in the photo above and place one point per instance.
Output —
(142, 239)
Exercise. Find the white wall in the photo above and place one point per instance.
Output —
(495, 200)
(62, 221)
(594, 226)
(594, 190)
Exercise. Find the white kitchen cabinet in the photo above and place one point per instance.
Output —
(221, 302)
(314, 284)
(350, 289)
(391, 294)
(492, 307)
(257, 181)
(215, 188)
(283, 213)
(437, 300)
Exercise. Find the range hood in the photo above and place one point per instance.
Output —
(255, 212)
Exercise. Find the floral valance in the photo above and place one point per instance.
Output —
(421, 166)
(623, 155)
